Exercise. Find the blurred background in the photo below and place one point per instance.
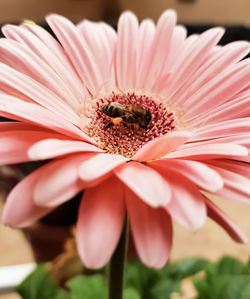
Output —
(189, 11)
(197, 15)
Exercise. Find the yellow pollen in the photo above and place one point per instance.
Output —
(27, 21)
(117, 120)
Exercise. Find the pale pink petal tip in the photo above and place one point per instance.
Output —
(161, 146)
(216, 214)
(196, 172)
(58, 181)
(128, 14)
(99, 166)
(168, 14)
(20, 209)
(151, 230)
(54, 15)
(146, 183)
(187, 205)
(50, 148)
(100, 223)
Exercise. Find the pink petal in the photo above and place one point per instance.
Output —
(230, 193)
(99, 166)
(143, 51)
(209, 151)
(219, 89)
(61, 67)
(161, 83)
(13, 108)
(50, 148)
(14, 81)
(53, 45)
(78, 51)
(213, 66)
(187, 47)
(14, 125)
(101, 39)
(243, 159)
(100, 222)
(238, 108)
(14, 144)
(126, 50)
(192, 57)
(151, 230)
(240, 139)
(220, 218)
(226, 56)
(197, 45)
(161, 146)
(162, 43)
(236, 176)
(234, 166)
(24, 60)
(223, 129)
(59, 181)
(234, 180)
(197, 172)
(154, 64)
(20, 209)
(177, 43)
(187, 204)
(146, 183)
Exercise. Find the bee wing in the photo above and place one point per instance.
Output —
(138, 111)
(118, 105)
(122, 108)
(127, 111)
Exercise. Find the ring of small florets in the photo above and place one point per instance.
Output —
(127, 136)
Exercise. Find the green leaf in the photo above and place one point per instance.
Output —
(232, 266)
(172, 274)
(38, 285)
(131, 293)
(141, 278)
(165, 288)
(202, 287)
(88, 287)
(225, 287)
(160, 284)
(227, 279)
(233, 287)
(184, 268)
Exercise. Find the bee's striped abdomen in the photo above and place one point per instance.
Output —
(114, 110)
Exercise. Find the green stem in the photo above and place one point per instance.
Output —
(117, 265)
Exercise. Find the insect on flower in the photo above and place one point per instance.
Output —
(130, 114)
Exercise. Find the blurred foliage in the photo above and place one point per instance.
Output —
(226, 279)
(38, 285)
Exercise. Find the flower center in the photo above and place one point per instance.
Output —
(123, 123)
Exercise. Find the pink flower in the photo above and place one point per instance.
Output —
(195, 141)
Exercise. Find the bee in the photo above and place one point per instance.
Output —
(129, 114)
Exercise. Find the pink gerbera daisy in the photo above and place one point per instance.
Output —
(147, 121)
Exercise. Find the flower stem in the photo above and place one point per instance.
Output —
(117, 265)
